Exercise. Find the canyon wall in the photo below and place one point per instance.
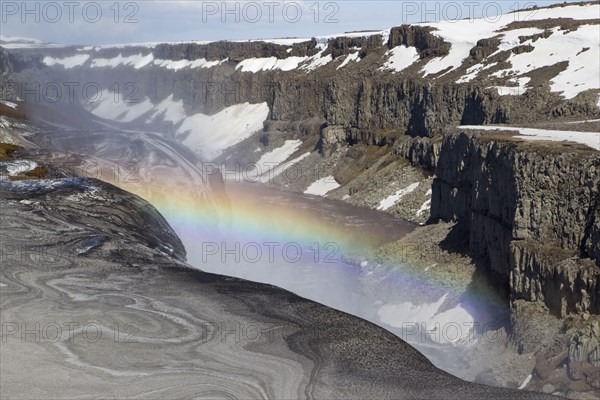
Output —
(347, 81)
(531, 210)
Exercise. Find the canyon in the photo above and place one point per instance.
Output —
(395, 120)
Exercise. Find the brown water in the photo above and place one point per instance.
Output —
(359, 225)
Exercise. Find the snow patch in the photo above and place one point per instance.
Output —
(117, 108)
(576, 11)
(525, 382)
(510, 39)
(281, 168)
(400, 58)
(9, 104)
(170, 110)
(273, 158)
(18, 39)
(429, 315)
(67, 62)
(424, 208)
(317, 61)
(137, 61)
(181, 64)
(390, 201)
(583, 122)
(19, 42)
(322, 186)
(582, 71)
(464, 34)
(270, 63)
(209, 135)
(462, 37)
(19, 167)
(473, 71)
(513, 90)
(351, 57)
(278, 155)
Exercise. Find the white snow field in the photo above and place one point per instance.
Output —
(392, 200)
(400, 58)
(322, 186)
(270, 63)
(67, 62)
(464, 34)
(582, 71)
(579, 48)
(209, 135)
(268, 165)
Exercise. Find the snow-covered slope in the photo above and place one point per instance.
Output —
(18, 42)
(209, 135)
(580, 47)
(552, 49)
(322, 186)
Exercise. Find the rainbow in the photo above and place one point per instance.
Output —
(242, 214)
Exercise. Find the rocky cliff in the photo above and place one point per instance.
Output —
(412, 79)
(530, 210)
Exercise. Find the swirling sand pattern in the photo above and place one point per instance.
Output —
(137, 323)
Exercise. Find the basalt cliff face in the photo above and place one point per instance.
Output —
(412, 79)
(531, 212)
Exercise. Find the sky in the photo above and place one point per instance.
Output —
(110, 22)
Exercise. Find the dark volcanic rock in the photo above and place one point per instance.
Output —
(526, 208)
(361, 96)
(420, 37)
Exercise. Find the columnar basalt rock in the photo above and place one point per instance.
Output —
(528, 212)
(363, 95)
(420, 37)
